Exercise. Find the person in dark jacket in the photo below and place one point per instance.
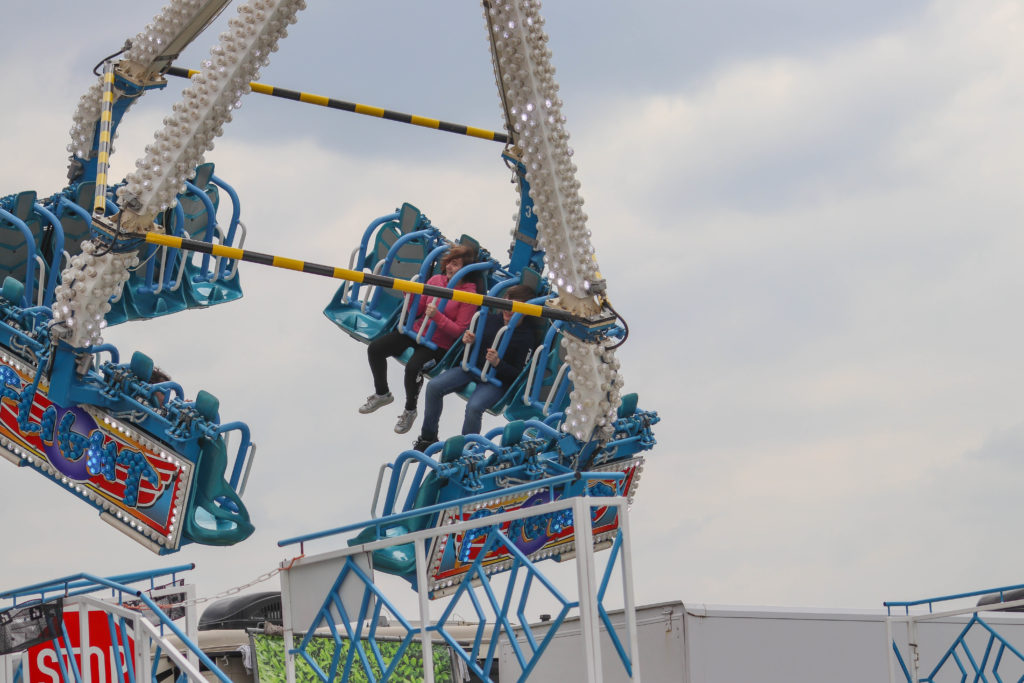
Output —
(485, 394)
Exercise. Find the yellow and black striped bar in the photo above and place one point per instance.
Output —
(362, 278)
(103, 145)
(364, 109)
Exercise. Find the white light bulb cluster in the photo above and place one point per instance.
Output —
(145, 47)
(159, 33)
(527, 78)
(83, 127)
(206, 105)
(83, 298)
(594, 400)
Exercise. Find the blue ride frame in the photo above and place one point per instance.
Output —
(119, 586)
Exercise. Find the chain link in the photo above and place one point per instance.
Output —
(230, 591)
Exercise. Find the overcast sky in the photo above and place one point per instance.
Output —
(807, 211)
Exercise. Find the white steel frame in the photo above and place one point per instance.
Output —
(912, 656)
(588, 580)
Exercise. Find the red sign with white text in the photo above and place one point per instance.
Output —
(106, 661)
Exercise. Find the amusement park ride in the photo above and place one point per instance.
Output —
(156, 465)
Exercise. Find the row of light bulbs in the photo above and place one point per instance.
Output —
(82, 300)
(145, 47)
(535, 110)
(206, 104)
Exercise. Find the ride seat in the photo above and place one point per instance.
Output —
(76, 230)
(14, 249)
(218, 515)
(196, 219)
(551, 380)
(401, 559)
(346, 310)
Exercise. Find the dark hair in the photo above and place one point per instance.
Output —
(458, 251)
(519, 293)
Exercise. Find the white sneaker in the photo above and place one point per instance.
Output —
(374, 401)
(405, 421)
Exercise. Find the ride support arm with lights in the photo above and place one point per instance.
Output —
(533, 112)
(178, 147)
(143, 60)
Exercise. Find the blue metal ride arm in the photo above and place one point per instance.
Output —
(525, 251)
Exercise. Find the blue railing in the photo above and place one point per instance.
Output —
(351, 615)
(978, 651)
(84, 584)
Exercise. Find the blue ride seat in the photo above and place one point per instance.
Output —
(546, 386)
(15, 248)
(531, 279)
(76, 228)
(208, 284)
(218, 515)
(401, 559)
(398, 250)
(172, 280)
(159, 287)
(199, 224)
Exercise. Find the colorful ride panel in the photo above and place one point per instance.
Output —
(478, 476)
(151, 463)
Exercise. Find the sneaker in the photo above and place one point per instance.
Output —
(421, 444)
(374, 401)
(405, 421)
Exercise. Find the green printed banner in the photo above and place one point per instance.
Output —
(268, 655)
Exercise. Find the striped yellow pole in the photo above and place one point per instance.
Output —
(362, 278)
(99, 205)
(365, 109)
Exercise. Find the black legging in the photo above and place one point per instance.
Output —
(395, 344)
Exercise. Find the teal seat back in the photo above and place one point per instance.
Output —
(530, 278)
(141, 366)
(14, 250)
(430, 489)
(76, 229)
(513, 433)
(628, 406)
(13, 290)
(452, 450)
(207, 405)
(193, 206)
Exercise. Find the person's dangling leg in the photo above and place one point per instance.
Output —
(447, 382)
(377, 353)
(484, 396)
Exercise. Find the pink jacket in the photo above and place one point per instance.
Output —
(453, 320)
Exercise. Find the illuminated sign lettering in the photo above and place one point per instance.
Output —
(112, 466)
(537, 537)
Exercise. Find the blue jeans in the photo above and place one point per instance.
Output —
(483, 397)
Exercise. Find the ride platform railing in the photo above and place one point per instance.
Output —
(338, 593)
(88, 628)
(962, 641)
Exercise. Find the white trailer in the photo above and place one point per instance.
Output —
(697, 643)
